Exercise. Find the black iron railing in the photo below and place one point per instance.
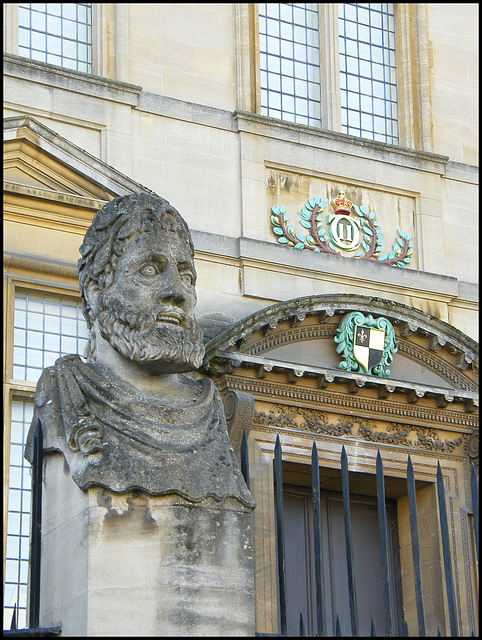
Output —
(36, 525)
(35, 550)
(320, 624)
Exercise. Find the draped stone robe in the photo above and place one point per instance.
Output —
(113, 436)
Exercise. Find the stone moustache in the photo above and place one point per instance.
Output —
(128, 417)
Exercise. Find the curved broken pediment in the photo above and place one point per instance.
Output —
(433, 359)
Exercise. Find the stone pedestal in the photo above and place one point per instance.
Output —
(140, 565)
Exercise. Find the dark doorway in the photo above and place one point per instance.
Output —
(366, 552)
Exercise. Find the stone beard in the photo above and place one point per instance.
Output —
(128, 418)
(139, 337)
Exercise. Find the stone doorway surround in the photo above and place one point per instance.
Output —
(277, 371)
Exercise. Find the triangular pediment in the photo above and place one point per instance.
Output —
(39, 159)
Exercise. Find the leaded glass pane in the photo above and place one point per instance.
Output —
(367, 54)
(45, 329)
(56, 33)
(289, 49)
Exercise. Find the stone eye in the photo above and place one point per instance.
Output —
(148, 270)
(187, 279)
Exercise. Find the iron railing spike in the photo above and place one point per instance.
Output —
(280, 541)
(315, 494)
(417, 566)
(244, 458)
(13, 624)
(302, 626)
(348, 544)
(444, 531)
(474, 487)
(382, 531)
(36, 528)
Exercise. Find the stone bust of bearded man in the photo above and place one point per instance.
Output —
(128, 417)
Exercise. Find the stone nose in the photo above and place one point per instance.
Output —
(171, 290)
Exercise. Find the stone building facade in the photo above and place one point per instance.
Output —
(252, 119)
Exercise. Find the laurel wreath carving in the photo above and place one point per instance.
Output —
(318, 240)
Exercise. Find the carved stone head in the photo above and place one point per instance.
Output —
(137, 282)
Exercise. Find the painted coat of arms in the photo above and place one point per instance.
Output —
(366, 344)
(342, 233)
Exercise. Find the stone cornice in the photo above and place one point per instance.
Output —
(76, 81)
(52, 196)
(290, 374)
(340, 142)
(14, 262)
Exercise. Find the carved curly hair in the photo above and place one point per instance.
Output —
(112, 226)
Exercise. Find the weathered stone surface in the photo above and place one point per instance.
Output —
(128, 417)
(146, 515)
(136, 564)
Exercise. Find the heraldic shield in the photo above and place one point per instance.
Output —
(368, 347)
(366, 344)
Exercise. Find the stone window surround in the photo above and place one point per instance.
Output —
(413, 70)
(110, 59)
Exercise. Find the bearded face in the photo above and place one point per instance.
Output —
(147, 313)
(161, 338)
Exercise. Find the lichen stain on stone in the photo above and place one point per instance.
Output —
(137, 516)
(278, 182)
(186, 536)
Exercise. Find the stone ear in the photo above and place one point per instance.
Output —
(91, 293)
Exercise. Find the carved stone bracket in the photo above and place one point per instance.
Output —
(472, 447)
(239, 410)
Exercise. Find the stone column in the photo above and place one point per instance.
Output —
(143, 565)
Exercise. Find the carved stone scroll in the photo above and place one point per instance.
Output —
(239, 410)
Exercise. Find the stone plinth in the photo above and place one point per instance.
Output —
(143, 565)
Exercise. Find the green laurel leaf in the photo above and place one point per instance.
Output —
(278, 231)
(357, 210)
(283, 240)
(299, 245)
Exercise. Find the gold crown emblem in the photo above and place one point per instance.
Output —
(341, 204)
